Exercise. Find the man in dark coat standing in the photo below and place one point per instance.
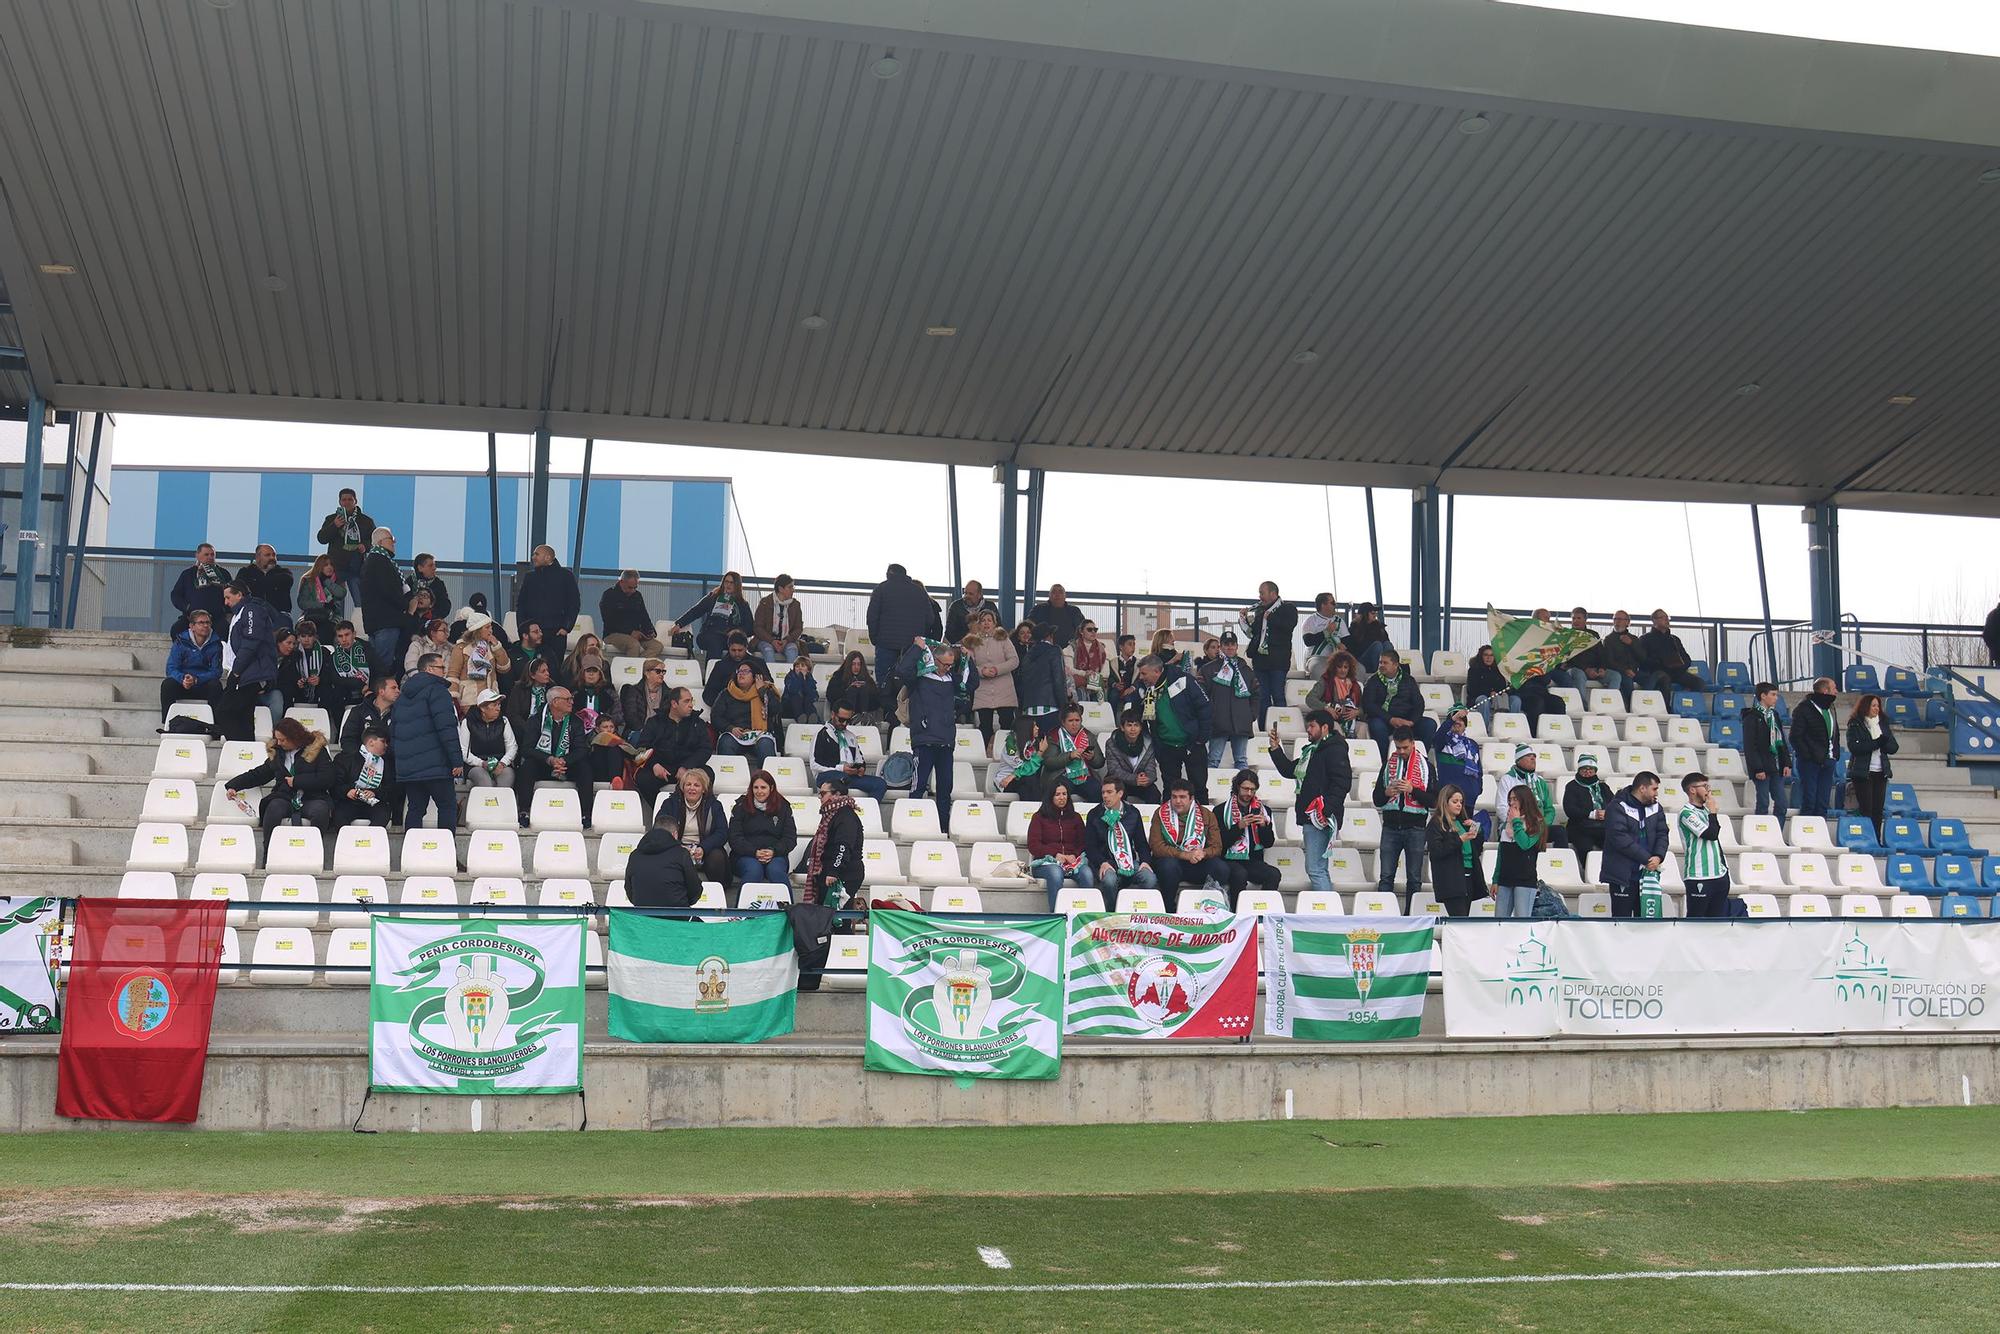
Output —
(384, 605)
(423, 735)
(1267, 631)
(549, 597)
(899, 613)
(249, 661)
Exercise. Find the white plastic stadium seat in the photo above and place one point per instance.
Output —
(915, 817)
(880, 865)
(494, 852)
(1140, 900)
(1346, 870)
(1809, 832)
(491, 808)
(614, 894)
(221, 810)
(565, 892)
(1291, 864)
(181, 757)
(159, 847)
(1323, 903)
(276, 954)
(955, 898)
(764, 894)
(934, 861)
(1425, 904)
(974, 819)
(349, 956)
(499, 891)
(148, 885)
(846, 965)
(556, 808)
(1760, 905)
(1361, 829)
(429, 852)
(222, 887)
(428, 891)
(1019, 813)
(1860, 905)
(236, 757)
(557, 852)
(611, 812)
(363, 849)
(1609, 703)
(228, 847)
(1760, 871)
(364, 892)
(1596, 903)
(1199, 899)
(284, 895)
(983, 863)
(1073, 899)
(1373, 903)
(1764, 833)
(315, 718)
(172, 801)
(296, 848)
(1808, 905)
(613, 851)
(1857, 870)
(1910, 905)
(1809, 870)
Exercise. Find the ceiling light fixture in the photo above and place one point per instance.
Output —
(273, 283)
(1745, 390)
(1991, 176)
(222, 4)
(813, 323)
(57, 270)
(1474, 125)
(941, 330)
(888, 67)
(1902, 400)
(1304, 357)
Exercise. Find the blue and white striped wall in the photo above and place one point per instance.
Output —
(643, 522)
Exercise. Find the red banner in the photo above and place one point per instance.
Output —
(137, 1010)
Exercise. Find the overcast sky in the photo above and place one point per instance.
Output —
(1207, 538)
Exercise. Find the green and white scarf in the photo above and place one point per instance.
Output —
(1188, 833)
(927, 664)
(1074, 746)
(1773, 730)
(351, 663)
(555, 738)
(208, 576)
(1231, 672)
(1236, 816)
(1123, 860)
(1316, 808)
(350, 527)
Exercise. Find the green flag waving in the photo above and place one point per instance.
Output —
(684, 981)
(1525, 647)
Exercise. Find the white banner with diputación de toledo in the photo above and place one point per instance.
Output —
(1571, 978)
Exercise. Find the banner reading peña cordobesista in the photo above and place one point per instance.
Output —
(478, 1007)
(965, 999)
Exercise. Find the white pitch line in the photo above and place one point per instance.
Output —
(995, 1258)
(968, 1289)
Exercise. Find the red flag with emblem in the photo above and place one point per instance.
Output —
(137, 1010)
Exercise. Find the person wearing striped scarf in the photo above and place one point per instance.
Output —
(1114, 843)
(1703, 866)
(1405, 791)
(1247, 829)
(1184, 843)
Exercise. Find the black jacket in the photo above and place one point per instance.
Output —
(1481, 681)
(1097, 838)
(1327, 779)
(1405, 704)
(660, 874)
(293, 670)
(730, 712)
(714, 821)
(958, 616)
(861, 694)
(359, 719)
(1284, 620)
(632, 706)
(1860, 746)
(1451, 879)
(252, 634)
(1813, 738)
(841, 859)
(1760, 756)
(383, 601)
(1662, 651)
(1577, 804)
(723, 670)
(331, 533)
(548, 598)
(1617, 652)
(1363, 634)
(1064, 621)
(273, 585)
(620, 613)
(898, 612)
(675, 745)
(751, 831)
(1516, 865)
(312, 771)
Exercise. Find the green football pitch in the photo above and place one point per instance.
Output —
(1842, 1220)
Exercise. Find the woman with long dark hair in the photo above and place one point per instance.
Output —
(1870, 743)
(762, 833)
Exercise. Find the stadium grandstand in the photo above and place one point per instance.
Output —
(1463, 861)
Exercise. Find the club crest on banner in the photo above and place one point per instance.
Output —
(477, 1009)
(1363, 947)
(713, 986)
(950, 1019)
(142, 1004)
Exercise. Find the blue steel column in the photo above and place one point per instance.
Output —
(538, 495)
(1764, 589)
(1010, 498)
(1823, 550)
(1450, 540)
(75, 586)
(582, 508)
(1426, 583)
(497, 606)
(1033, 562)
(31, 513)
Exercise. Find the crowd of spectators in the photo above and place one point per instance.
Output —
(437, 696)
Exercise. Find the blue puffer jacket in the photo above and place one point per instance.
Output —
(201, 661)
(423, 730)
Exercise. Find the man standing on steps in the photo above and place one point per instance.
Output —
(423, 730)
(1324, 775)
(249, 662)
(348, 533)
(1268, 628)
(384, 605)
(1815, 747)
(199, 588)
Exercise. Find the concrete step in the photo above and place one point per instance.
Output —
(29, 722)
(59, 661)
(78, 693)
(23, 801)
(29, 848)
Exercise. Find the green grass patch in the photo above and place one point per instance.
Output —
(1118, 1204)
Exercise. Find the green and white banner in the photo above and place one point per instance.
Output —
(963, 999)
(1142, 975)
(1832, 975)
(487, 1006)
(1345, 979)
(1525, 647)
(28, 930)
(674, 980)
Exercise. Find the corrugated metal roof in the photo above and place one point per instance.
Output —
(380, 211)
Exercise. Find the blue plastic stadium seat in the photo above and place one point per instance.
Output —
(1901, 799)
(1961, 905)
(1907, 714)
(1948, 835)
(1937, 711)
(1731, 703)
(1937, 683)
(1990, 871)
(1727, 732)
(1860, 679)
(1902, 834)
(1956, 872)
(1857, 834)
(1689, 703)
(1911, 875)
(1703, 672)
(1732, 675)
(1902, 681)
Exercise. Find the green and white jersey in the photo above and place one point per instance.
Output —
(1703, 858)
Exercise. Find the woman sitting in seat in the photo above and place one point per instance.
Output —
(301, 776)
(762, 833)
(746, 712)
(696, 820)
(853, 687)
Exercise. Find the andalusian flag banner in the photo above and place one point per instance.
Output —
(485, 1006)
(1345, 979)
(674, 980)
(28, 928)
(969, 1000)
(1140, 975)
(1524, 647)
